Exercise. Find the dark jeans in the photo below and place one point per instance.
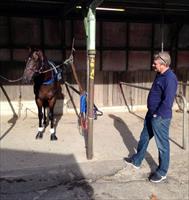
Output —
(159, 128)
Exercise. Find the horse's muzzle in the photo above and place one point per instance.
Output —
(26, 80)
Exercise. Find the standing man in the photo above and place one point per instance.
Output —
(157, 120)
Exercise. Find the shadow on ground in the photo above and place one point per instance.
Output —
(28, 181)
(130, 141)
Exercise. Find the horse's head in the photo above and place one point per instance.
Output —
(34, 64)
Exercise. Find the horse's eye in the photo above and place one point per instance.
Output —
(28, 59)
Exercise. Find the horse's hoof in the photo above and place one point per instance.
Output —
(53, 137)
(39, 135)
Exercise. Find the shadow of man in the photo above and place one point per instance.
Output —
(129, 140)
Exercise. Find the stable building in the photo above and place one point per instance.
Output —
(127, 36)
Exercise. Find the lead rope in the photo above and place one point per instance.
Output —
(74, 69)
(82, 122)
(11, 81)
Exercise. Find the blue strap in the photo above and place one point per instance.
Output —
(83, 103)
(49, 81)
(83, 107)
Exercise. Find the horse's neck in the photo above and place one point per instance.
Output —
(47, 75)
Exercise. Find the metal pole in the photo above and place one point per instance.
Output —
(90, 29)
(185, 137)
(185, 127)
(162, 26)
(91, 21)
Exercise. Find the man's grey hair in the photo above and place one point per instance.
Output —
(163, 57)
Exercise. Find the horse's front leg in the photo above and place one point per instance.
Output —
(40, 117)
(51, 118)
(44, 117)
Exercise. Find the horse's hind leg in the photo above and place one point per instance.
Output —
(51, 118)
(41, 128)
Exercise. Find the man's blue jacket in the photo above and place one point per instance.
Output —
(162, 94)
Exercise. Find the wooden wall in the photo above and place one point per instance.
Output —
(124, 52)
(107, 89)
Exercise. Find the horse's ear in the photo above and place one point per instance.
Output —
(29, 49)
(32, 49)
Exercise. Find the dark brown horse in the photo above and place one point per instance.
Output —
(45, 77)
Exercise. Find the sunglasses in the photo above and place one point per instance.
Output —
(162, 59)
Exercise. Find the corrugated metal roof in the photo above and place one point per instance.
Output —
(67, 8)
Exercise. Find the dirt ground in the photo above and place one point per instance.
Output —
(115, 136)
